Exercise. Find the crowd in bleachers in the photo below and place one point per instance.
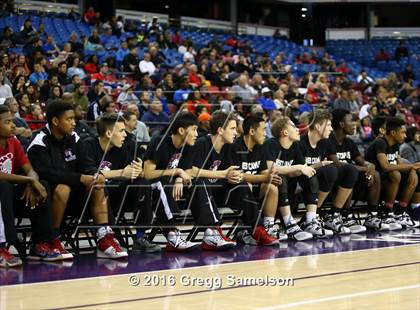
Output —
(148, 73)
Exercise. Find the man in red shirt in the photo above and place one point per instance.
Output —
(21, 192)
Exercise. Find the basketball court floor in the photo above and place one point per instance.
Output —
(367, 271)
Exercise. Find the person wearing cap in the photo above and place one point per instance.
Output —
(204, 124)
(127, 95)
(266, 100)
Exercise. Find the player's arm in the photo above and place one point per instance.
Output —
(387, 167)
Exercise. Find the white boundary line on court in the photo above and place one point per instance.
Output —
(339, 297)
(203, 266)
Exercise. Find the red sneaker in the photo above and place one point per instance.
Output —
(7, 259)
(213, 241)
(223, 235)
(108, 247)
(263, 238)
(57, 245)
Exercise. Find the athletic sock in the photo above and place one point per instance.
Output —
(287, 219)
(268, 221)
(310, 216)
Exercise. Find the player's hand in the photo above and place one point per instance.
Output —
(178, 189)
(274, 178)
(307, 171)
(186, 178)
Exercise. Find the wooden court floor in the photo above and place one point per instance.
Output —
(382, 278)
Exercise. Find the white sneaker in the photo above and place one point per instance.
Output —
(276, 232)
(176, 243)
(296, 233)
(335, 223)
(406, 221)
(214, 241)
(244, 237)
(374, 222)
(315, 228)
(391, 221)
(351, 223)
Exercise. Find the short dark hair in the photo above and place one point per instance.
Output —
(183, 120)
(106, 122)
(377, 123)
(252, 121)
(411, 132)
(56, 109)
(338, 116)
(128, 114)
(220, 119)
(393, 123)
(4, 109)
(318, 116)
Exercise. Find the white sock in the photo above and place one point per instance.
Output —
(268, 221)
(310, 216)
(415, 205)
(101, 232)
(287, 219)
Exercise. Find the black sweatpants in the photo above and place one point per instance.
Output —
(12, 205)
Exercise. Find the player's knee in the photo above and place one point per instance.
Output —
(62, 193)
(395, 176)
(348, 176)
(412, 180)
(272, 189)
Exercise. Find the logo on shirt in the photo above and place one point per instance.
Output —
(251, 167)
(68, 155)
(283, 163)
(392, 158)
(6, 163)
(312, 160)
(105, 165)
(344, 156)
(174, 161)
(214, 166)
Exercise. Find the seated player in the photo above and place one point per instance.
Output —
(248, 154)
(284, 157)
(340, 177)
(369, 182)
(223, 183)
(109, 156)
(400, 180)
(167, 163)
(24, 193)
(56, 154)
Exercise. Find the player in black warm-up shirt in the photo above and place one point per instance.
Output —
(400, 180)
(110, 155)
(338, 177)
(167, 163)
(224, 183)
(284, 157)
(368, 186)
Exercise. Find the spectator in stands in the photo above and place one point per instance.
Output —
(410, 149)
(97, 91)
(382, 55)
(7, 38)
(266, 100)
(76, 68)
(127, 96)
(90, 17)
(408, 74)
(343, 101)
(76, 45)
(242, 89)
(5, 90)
(153, 27)
(131, 61)
(195, 100)
(177, 38)
(162, 98)
(181, 94)
(21, 130)
(50, 47)
(204, 124)
(194, 78)
(343, 68)
(27, 31)
(401, 51)
(39, 76)
(155, 118)
(82, 129)
(80, 98)
(36, 118)
(140, 129)
(122, 52)
(56, 92)
(412, 100)
(364, 80)
(146, 65)
(21, 64)
(63, 78)
(96, 108)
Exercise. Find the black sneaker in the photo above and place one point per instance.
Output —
(143, 245)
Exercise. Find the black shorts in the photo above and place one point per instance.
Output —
(360, 189)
